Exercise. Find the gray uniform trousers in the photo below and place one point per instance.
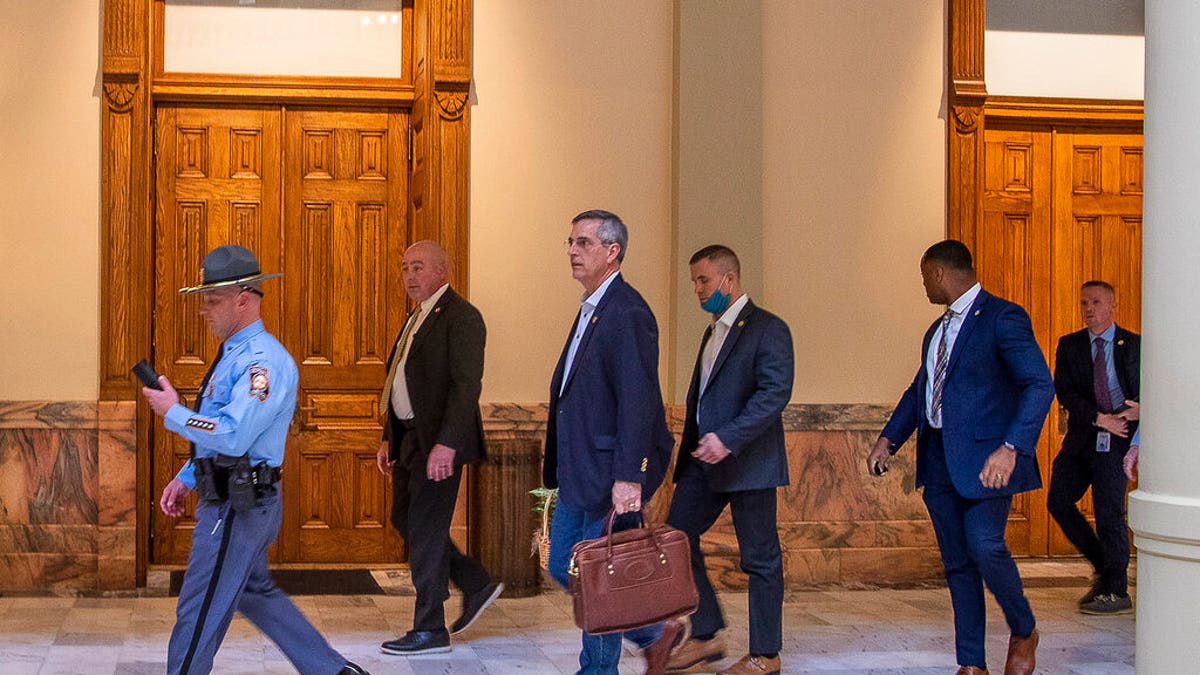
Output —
(227, 570)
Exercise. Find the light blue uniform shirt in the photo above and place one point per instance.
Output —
(248, 405)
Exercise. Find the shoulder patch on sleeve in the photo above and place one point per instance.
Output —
(201, 424)
(260, 384)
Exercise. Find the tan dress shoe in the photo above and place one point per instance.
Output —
(694, 652)
(1021, 654)
(971, 670)
(657, 653)
(753, 665)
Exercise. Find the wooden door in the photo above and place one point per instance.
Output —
(1061, 206)
(218, 183)
(344, 203)
(1097, 235)
(319, 196)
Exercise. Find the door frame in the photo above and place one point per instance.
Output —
(434, 89)
(970, 108)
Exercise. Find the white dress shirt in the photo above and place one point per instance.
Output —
(720, 330)
(960, 308)
(587, 307)
(401, 402)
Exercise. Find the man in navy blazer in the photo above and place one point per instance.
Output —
(607, 443)
(978, 403)
(733, 453)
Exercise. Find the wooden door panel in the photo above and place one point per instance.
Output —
(1013, 261)
(215, 186)
(345, 205)
(1059, 208)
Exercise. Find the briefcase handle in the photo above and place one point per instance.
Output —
(606, 532)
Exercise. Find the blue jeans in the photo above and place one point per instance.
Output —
(571, 525)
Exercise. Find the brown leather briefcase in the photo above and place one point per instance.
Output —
(633, 578)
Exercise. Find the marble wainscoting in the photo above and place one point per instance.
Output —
(67, 496)
(838, 525)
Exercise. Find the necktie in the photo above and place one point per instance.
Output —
(1100, 377)
(385, 397)
(939, 369)
(212, 367)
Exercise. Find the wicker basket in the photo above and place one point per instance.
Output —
(541, 538)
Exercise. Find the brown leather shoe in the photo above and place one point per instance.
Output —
(1021, 653)
(660, 650)
(753, 665)
(971, 670)
(694, 652)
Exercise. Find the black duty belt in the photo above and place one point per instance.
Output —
(224, 478)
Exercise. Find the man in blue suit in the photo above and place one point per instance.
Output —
(733, 453)
(607, 443)
(978, 403)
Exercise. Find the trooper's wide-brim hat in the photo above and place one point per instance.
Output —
(225, 266)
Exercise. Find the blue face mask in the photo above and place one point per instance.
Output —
(717, 302)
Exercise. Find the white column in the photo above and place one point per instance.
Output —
(1164, 512)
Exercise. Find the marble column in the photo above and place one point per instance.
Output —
(1164, 512)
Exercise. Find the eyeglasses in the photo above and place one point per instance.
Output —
(584, 243)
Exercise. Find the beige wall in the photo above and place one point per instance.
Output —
(50, 187)
(719, 137)
(853, 187)
(572, 111)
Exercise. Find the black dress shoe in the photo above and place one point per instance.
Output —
(474, 604)
(352, 668)
(418, 642)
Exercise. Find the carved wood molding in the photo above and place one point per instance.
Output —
(124, 33)
(451, 104)
(1109, 113)
(966, 47)
(967, 118)
(452, 41)
(966, 94)
(120, 95)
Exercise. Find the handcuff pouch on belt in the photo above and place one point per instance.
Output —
(223, 478)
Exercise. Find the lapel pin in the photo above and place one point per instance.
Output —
(978, 312)
(741, 323)
(436, 310)
(1120, 343)
(595, 318)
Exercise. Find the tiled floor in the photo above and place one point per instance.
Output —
(838, 631)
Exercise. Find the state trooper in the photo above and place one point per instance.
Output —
(237, 433)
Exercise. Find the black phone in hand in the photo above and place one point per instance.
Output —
(145, 372)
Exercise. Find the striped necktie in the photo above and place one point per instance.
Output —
(939, 370)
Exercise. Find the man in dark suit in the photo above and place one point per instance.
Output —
(431, 403)
(978, 403)
(732, 452)
(607, 443)
(1097, 374)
